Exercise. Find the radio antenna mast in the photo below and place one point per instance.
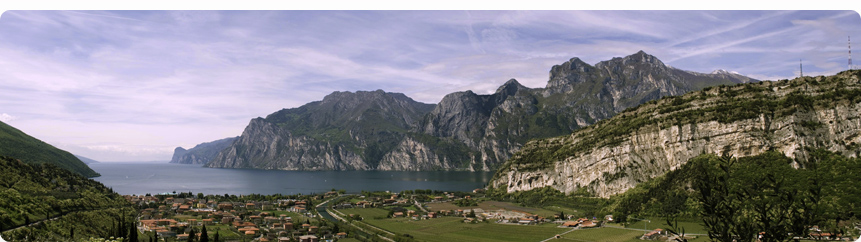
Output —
(850, 52)
(800, 68)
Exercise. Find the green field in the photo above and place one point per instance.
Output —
(611, 234)
(367, 213)
(691, 226)
(447, 229)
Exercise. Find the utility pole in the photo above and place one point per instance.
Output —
(645, 231)
(800, 68)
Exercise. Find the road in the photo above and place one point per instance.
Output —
(325, 213)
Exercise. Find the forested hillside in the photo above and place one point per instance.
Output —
(30, 150)
(43, 202)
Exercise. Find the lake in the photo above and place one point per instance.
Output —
(153, 178)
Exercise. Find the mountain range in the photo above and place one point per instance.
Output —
(378, 130)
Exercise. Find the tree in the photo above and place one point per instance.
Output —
(757, 198)
(203, 236)
(718, 211)
(199, 195)
(215, 238)
(191, 235)
(133, 233)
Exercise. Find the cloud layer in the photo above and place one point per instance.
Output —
(132, 85)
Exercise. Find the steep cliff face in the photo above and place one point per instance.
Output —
(201, 153)
(344, 131)
(743, 120)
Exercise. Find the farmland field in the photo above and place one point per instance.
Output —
(447, 229)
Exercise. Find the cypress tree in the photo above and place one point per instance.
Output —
(203, 236)
(133, 234)
(191, 235)
(215, 239)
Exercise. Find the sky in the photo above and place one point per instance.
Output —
(133, 85)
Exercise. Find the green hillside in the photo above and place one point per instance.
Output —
(753, 194)
(15, 143)
(45, 203)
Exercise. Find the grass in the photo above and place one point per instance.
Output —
(493, 205)
(367, 213)
(447, 229)
(611, 234)
(297, 218)
(691, 226)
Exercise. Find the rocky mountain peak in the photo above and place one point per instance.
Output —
(510, 87)
(724, 72)
(641, 57)
(572, 65)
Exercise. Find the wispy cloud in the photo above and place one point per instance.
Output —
(5, 117)
(132, 85)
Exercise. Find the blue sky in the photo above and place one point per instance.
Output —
(133, 85)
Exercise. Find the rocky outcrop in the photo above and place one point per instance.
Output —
(743, 120)
(201, 153)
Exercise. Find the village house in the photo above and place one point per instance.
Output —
(225, 206)
(271, 219)
(308, 238)
(252, 229)
(652, 235)
(526, 221)
(255, 219)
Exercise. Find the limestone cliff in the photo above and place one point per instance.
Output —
(741, 120)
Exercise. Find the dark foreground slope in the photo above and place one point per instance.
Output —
(17, 144)
(43, 202)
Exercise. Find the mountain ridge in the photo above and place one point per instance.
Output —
(465, 130)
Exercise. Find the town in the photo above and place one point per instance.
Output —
(337, 216)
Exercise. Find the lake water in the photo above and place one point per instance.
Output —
(142, 178)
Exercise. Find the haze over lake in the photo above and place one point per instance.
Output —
(142, 178)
